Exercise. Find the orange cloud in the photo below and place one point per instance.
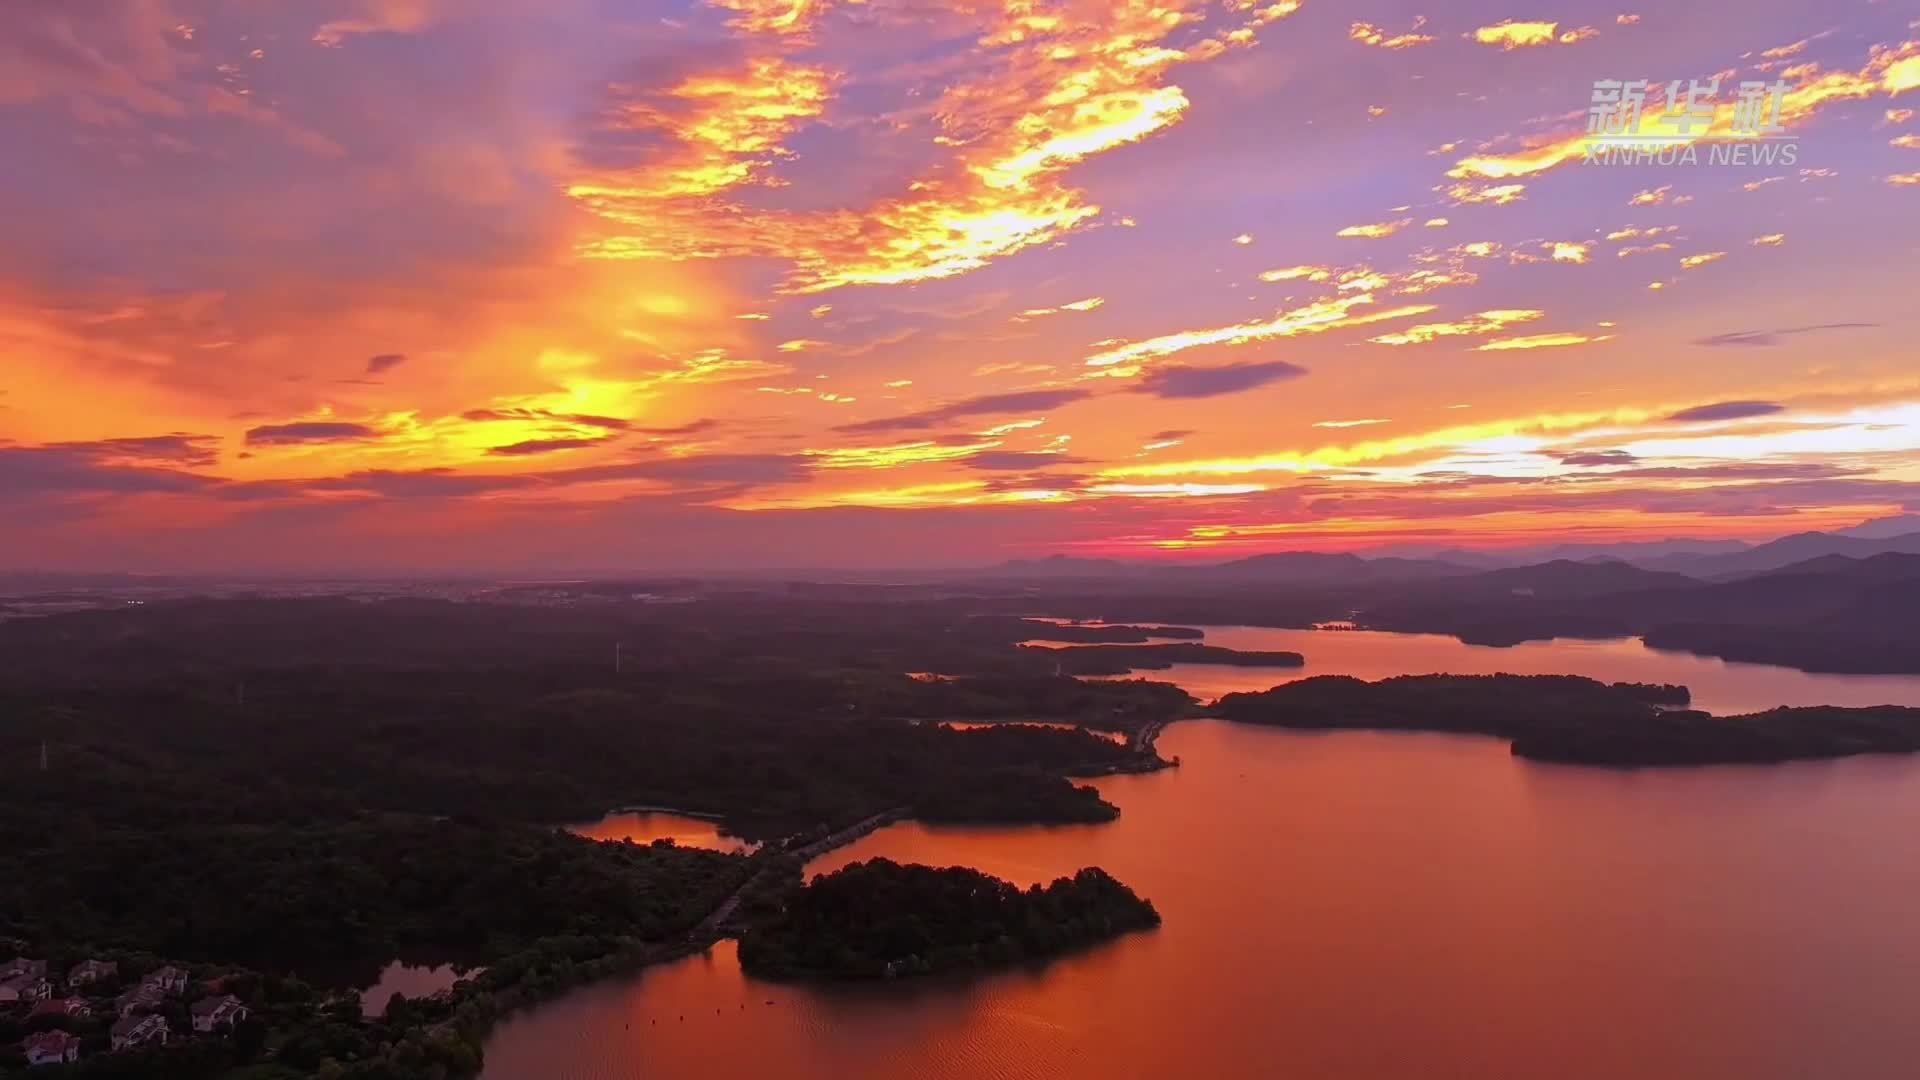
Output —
(1369, 34)
(1496, 194)
(1091, 303)
(1068, 86)
(1540, 341)
(1375, 231)
(1485, 322)
(1514, 34)
(1315, 318)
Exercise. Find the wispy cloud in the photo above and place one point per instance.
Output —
(1558, 340)
(984, 405)
(308, 431)
(1375, 231)
(1091, 303)
(1314, 318)
(1197, 382)
(1766, 338)
(1369, 34)
(530, 447)
(1480, 324)
(1516, 34)
(1726, 410)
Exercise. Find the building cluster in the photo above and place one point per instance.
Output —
(92, 993)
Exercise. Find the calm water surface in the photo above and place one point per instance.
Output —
(644, 827)
(1718, 686)
(1374, 906)
(412, 980)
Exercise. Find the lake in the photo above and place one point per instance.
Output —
(1374, 906)
(646, 826)
(411, 980)
(1718, 686)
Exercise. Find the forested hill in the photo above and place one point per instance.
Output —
(1577, 720)
(879, 919)
(284, 796)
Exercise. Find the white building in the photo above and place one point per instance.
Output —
(213, 1013)
(134, 1031)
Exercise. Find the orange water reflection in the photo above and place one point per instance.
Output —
(1718, 686)
(1370, 906)
(644, 827)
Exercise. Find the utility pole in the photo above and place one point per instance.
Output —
(43, 755)
(617, 647)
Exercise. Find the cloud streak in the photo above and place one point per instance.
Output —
(1197, 382)
(1726, 410)
(1024, 401)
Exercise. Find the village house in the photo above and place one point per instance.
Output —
(52, 1048)
(19, 966)
(24, 988)
(169, 980)
(140, 999)
(132, 1031)
(212, 1013)
(88, 972)
(70, 1008)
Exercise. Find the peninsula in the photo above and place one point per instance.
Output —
(1575, 720)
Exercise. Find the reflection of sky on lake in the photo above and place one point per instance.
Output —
(1718, 686)
(647, 826)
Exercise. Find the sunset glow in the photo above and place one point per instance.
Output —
(380, 285)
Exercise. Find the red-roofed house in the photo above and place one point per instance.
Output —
(74, 1008)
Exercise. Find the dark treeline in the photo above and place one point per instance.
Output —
(770, 756)
(880, 919)
(1504, 705)
(288, 794)
(1695, 738)
(765, 632)
(1832, 614)
(1085, 633)
(310, 898)
(1120, 659)
(1572, 719)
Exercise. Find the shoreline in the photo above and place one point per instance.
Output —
(639, 955)
(701, 815)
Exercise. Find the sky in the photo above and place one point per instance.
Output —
(582, 285)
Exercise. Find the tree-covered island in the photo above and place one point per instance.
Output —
(880, 919)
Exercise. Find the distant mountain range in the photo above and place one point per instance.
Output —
(1787, 551)
(1829, 613)
(1707, 560)
(1840, 602)
(1280, 568)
